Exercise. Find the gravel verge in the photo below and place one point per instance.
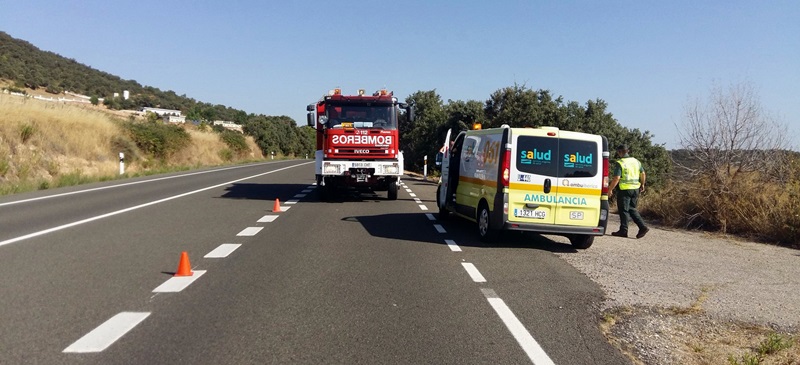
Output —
(677, 297)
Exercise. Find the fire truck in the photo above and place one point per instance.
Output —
(357, 142)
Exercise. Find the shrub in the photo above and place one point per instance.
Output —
(235, 141)
(750, 206)
(26, 132)
(157, 139)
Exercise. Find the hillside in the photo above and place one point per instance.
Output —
(32, 70)
(49, 144)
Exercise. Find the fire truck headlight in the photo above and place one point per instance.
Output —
(332, 169)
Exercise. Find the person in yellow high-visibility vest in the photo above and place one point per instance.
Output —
(629, 174)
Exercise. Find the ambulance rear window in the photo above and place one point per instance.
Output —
(556, 157)
(537, 155)
(578, 158)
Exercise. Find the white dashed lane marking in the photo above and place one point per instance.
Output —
(452, 245)
(268, 218)
(423, 207)
(535, 352)
(284, 208)
(300, 196)
(222, 251)
(250, 231)
(107, 333)
(178, 283)
(473, 272)
(306, 191)
(430, 216)
(292, 201)
(439, 228)
(412, 195)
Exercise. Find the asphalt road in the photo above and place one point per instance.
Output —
(358, 280)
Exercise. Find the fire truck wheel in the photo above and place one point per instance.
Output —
(324, 193)
(393, 190)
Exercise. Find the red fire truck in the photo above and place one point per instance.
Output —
(357, 142)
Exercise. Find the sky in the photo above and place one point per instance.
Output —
(647, 60)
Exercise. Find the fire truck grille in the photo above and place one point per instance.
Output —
(362, 152)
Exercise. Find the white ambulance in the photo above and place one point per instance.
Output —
(529, 179)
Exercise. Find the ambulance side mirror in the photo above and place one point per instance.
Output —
(439, 157)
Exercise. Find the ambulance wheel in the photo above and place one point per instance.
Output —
(581, 241)
(393, 190)
(485, 231)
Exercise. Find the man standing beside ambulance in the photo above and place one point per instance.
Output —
(629, 174)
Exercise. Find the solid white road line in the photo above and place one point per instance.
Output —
(92, 219)
(423, 207)
(250, 231)
(453, 246)
(178, 283)
(439, 228)
(222, 251)
(126, 184)
(268, 218)
(107, 333)
(473, 272)
(430, 217)
(535, 352)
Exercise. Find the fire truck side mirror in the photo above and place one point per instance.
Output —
(410, 112)
(310, 107)
(310, 118)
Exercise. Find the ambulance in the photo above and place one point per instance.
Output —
(541, 180)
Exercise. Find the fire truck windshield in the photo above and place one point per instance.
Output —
(361, 116)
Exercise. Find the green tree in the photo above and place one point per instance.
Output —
(420, 137)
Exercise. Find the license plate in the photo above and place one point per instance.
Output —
(362, 164)
(527, 213)
(575, 215)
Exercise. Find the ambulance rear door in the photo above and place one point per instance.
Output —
(580, 179)
(532, 193)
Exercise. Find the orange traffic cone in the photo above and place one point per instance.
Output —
(277, 207)
(184, 267)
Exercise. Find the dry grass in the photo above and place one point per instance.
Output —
(752, 207)
(46, 144)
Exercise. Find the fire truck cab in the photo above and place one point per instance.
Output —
(357, 142)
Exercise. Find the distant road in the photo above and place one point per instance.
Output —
(86, 277)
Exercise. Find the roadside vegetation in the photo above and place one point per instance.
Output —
(734, 174)
(47, 145)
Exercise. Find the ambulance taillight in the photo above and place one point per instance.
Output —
(605, 174)
(507, 167)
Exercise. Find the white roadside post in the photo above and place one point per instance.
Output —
(121, 163)
(425, 169)
(273, 155)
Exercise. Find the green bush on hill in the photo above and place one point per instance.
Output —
(157, 139)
